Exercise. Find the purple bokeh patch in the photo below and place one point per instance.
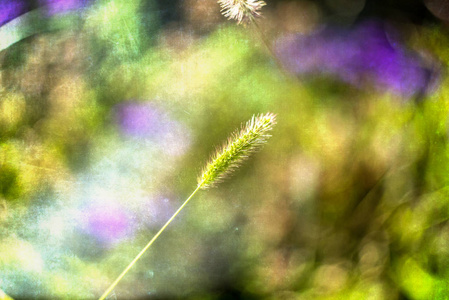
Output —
(107, 222)
(54, 7)
(364, 54)
(140, 119)
(146, 121)
(10, 9)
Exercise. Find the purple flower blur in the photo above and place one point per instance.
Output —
(54, 7)
(140, 119)
(363, 54)
(106, 221)
(10, 9)
(144, 120)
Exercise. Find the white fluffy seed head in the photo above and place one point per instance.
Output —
(243, 11)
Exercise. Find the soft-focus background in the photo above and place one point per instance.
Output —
(109, 109)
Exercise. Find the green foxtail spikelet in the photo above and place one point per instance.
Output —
(243, 11)
(239, 146)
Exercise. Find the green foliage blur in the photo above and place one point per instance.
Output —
(349, 199)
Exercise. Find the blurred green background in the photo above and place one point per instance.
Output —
(109, 111)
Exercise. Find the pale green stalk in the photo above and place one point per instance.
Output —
(112, 286)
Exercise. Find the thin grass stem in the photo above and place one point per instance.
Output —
(114, 284)
(265, 42)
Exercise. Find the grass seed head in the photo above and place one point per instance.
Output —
(238, 147)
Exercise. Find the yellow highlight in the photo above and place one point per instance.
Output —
(418, 283)
(3, 296)
(12, 108)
